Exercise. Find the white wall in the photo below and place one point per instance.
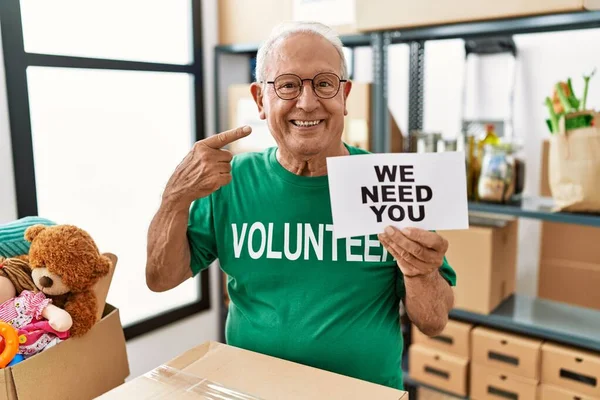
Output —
(8, 201)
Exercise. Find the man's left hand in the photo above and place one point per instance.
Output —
(417, 251)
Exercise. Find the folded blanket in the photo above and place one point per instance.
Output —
(12, 235)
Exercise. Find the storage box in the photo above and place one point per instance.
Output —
(485, 261)
(548, 392)
(78, 368)
(357, 124)
(491, 383)
(571, 369)
(243, 21)
(438, 369)
(506, 352)
(218, 371)
(396, 14)
(430, 394)
(455, 339)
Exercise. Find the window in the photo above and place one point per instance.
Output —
(99, 120)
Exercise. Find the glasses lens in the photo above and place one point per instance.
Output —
(326, 85)
(288, 86)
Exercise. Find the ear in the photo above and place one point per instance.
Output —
(103, 266)
(33, 231)
(258, 95)
(346, 92)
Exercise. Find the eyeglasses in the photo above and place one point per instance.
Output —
(326, 85)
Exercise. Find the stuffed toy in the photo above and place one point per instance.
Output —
(39, 324)
(65, 266)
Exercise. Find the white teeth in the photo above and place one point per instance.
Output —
(306, 123)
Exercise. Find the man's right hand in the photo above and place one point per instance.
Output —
(204, 169)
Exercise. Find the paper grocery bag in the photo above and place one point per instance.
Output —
(574, 167)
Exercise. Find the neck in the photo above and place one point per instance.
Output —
(311, 165)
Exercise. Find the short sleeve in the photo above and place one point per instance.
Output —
(448, 273)
(34, 303)
(201, 234)
(445, 270)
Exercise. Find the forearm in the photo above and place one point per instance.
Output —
(429, 299)
(168, 251)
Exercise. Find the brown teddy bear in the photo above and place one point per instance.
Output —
(66, 264)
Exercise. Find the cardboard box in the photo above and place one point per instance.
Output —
(430, 394)
(548, 392)
(78, 368)
(438, 369)
(490, 383)
(396, 14)
(242, 110)
(506, 352)
(571, 369)
(485, 261)
(216, 370)
(455, 339)
(570, 282)
(239, 19)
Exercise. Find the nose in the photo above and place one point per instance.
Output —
(308, 100)
(46, 282)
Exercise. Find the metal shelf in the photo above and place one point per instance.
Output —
(512, 26)
(536, 208)
(543, 319)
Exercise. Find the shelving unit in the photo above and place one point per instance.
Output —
(539, 208)
(539, 318)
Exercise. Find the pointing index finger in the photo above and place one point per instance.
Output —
(224, 138)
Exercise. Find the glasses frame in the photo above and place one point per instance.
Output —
(312, 84)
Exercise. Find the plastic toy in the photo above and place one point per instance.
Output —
(11, 343)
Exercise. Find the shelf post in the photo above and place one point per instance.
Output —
(416, 80)
(380, 127)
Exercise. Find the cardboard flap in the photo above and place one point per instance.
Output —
(7, 385)
(103, 285)
(214, 369)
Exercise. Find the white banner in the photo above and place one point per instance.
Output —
(422, 190)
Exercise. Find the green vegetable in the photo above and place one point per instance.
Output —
(585, 89)
(573, 100)
(553, 122)
(580, 121)
(563, 98)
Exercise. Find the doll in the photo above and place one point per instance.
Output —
(39, 323)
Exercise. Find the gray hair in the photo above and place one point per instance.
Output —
(285, 30)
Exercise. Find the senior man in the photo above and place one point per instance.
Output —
(296, 292)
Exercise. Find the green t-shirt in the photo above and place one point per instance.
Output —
(296, 293)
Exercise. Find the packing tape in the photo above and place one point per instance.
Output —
(176, 382)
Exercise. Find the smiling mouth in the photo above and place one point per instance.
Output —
(306, 124)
